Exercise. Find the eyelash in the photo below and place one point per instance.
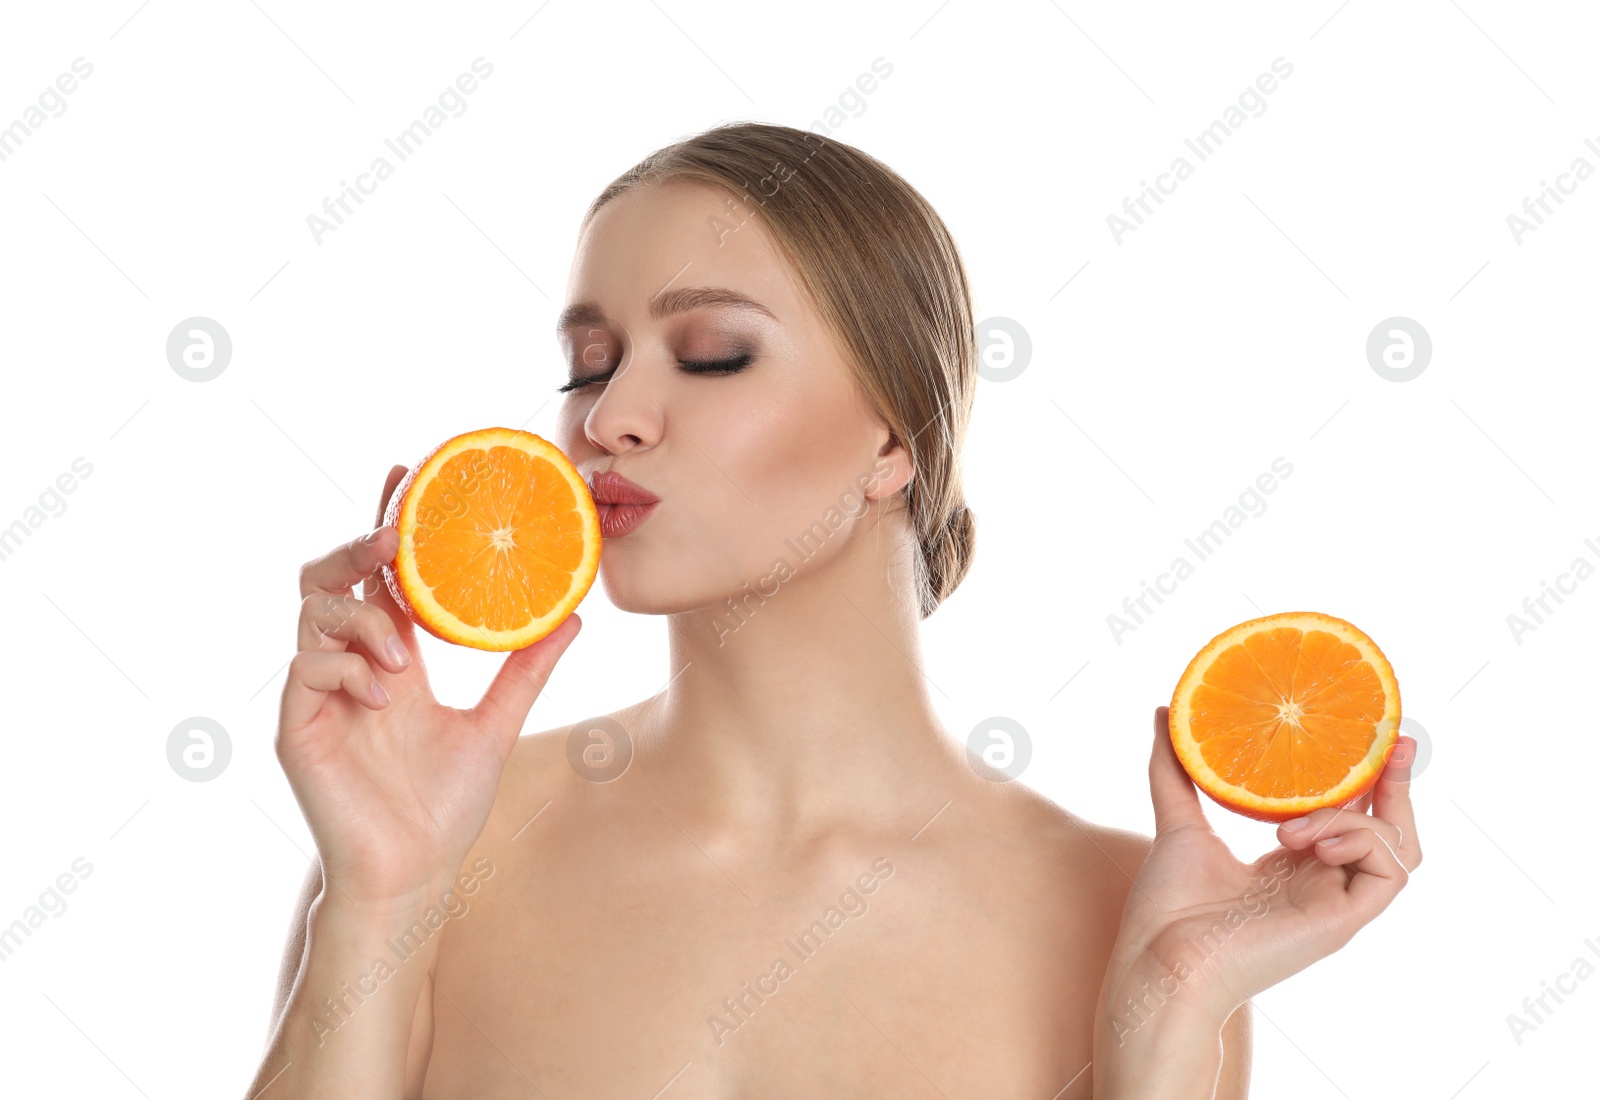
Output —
(728, 366)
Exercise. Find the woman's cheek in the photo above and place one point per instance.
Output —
(752, 441)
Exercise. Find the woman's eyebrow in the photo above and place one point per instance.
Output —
(666, 304)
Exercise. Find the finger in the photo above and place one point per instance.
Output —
(1333, 822)
(1391, 800)
(313, 674)
(343, 566)
(374, 586)
(329, 622)
(522, 676)
(1172, 792)
(1379, 874)
(396, 472)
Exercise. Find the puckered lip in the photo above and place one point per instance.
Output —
(609, 487)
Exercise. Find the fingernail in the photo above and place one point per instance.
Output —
(396, 649)
(1297, 823)
(1329, 841)
(379, 694)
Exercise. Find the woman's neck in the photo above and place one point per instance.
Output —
(813, 714)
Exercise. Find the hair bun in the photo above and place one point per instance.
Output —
(948, 556)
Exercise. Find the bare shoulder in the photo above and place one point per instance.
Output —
(584, 751)
(547, 768)
(1091, 867)
(1072, 846)
(538, 762)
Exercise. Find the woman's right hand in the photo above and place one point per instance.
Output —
(395, 786)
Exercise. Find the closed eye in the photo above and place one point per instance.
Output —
(731, 365)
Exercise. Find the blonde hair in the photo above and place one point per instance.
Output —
(886, 276)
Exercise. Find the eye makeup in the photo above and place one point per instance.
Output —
(714, 367)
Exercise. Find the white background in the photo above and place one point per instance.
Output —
(1167, 372)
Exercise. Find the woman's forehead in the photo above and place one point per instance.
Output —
(659, 238)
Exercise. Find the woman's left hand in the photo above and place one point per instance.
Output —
(1212, 932)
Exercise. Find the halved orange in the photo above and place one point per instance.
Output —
(1286, 714)
(499, 539)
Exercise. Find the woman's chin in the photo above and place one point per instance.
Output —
(631, 590)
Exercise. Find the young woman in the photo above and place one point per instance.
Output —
(779, 876)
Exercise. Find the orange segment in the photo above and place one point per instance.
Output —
(1286, 714)
(499, 539)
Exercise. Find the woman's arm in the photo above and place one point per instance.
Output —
(1185, 1054)
(1233, 1083)
(294, 950)
(1202, 933)
(1149, 1042)
(396, 787)
(346, 1028)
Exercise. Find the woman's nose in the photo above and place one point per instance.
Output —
(627, 414)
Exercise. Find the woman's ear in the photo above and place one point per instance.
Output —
(891, 471)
